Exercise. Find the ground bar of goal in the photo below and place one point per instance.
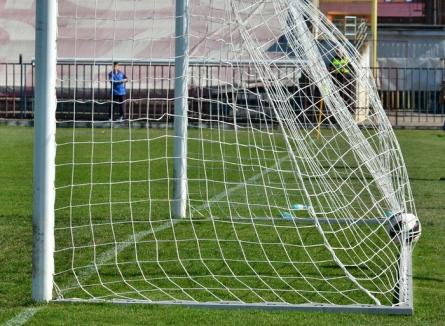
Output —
(403, 309)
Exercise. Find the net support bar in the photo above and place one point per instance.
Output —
(180, 120)
(317, 307)
(44, 151)
(406, 277)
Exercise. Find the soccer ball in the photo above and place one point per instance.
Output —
(404, 227)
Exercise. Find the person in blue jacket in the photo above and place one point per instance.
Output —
(117, 79)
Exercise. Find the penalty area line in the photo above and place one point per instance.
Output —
(25, 315)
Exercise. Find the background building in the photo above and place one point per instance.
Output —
(429, 12)
(411, 51)
(411, 33)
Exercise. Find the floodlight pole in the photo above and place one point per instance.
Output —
(44, 150)
(374, 22)
(180, 119)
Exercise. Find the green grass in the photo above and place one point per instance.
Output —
(424, 153)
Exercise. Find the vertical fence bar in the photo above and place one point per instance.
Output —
(139, 96)
(180, 120)
(147, 78)
(396, 95)
(442, 92)
(25, 93)
(44, 151)
(7, 90)
(32, 87)
(22, 93)
(14, 94)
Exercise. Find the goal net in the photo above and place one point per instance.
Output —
(246, 160)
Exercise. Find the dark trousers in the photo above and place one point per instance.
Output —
(117, 105)
(347, 90)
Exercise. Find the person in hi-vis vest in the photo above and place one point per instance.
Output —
(341, 70)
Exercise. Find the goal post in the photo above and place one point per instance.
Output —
(238, 175)
(180, 119)
(44, 150)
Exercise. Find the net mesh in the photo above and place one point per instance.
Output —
(292, 164)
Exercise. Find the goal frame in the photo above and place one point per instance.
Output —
(44, 177)
(405, 295)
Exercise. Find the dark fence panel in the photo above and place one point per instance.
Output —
(16, 90)
(412, 96)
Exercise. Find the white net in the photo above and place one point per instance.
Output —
(292, 167)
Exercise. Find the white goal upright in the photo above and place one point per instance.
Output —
(248, 169)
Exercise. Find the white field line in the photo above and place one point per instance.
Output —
(23, 316)
(108, 255)
(251, 180)
(103, 258)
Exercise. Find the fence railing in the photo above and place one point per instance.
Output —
(16, 90)
(410, 96)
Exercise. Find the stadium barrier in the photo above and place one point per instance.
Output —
(410, 96)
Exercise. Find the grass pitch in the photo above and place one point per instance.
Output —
(424, 152)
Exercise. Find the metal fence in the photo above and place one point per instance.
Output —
(16, 90)
(410, 96)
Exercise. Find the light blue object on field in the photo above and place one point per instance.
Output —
(286, 216)
(295, 207)
(300, 207)
(388, 213)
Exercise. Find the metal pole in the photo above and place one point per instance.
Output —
(374, 17)
(22, 93)
(180, 120)
(44, 150)
(405, 286)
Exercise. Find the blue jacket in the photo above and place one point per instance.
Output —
(117, 84)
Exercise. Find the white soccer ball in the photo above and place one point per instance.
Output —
(404, 227)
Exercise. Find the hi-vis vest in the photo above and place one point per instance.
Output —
(341, 65)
